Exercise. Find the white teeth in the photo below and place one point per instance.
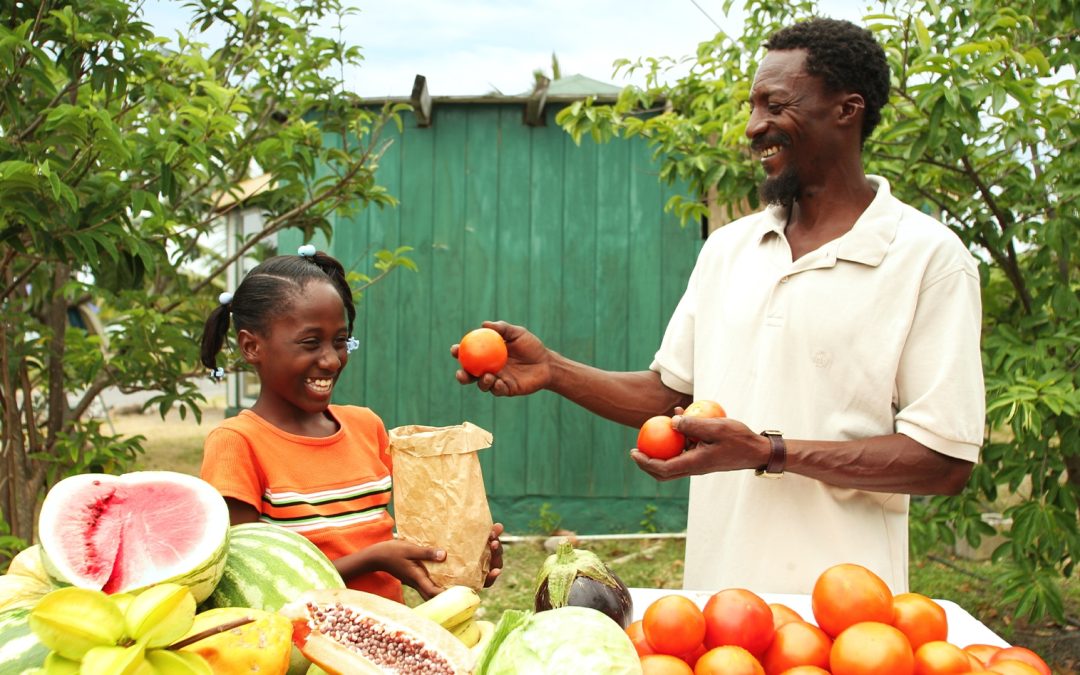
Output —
(322, 385)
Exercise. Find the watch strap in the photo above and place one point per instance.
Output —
(777, 458)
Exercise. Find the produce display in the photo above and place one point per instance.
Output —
(277, 605)
(857, 627)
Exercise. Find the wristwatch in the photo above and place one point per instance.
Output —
(775, 467)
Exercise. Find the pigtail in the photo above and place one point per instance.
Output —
(214, 332)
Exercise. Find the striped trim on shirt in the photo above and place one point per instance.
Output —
(326, 509)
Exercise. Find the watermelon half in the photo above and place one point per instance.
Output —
(123, 533)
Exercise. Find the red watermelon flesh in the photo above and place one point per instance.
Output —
(122, 533)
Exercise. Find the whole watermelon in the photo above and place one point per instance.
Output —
(121, 534)
(267, 566)
(19, 647)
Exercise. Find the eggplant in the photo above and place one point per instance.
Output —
(572, 577)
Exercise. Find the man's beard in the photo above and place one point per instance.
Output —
(781, 190)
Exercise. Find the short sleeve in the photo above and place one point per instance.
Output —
(229, 465)
(941, 399)
(674, 361)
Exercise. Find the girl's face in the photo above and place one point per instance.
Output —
(301, 357)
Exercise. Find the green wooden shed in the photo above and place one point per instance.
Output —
(511, 220)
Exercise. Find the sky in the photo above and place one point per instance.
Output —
(468, 47)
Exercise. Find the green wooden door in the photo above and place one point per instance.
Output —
(517, 223)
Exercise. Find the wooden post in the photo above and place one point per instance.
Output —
(421, 101)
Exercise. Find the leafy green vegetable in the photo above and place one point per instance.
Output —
(558, 641)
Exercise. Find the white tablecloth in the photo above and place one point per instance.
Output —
(964, 629)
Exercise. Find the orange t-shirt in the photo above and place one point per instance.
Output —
(334, 490)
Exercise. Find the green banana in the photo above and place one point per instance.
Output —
(71, 621)
(160, 615)
(468, 632)
(113, 660)
(166, 662)
(452, 607)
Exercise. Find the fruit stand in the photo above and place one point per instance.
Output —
(964, 629)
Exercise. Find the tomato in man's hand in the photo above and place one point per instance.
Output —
(659, 440)
(482, 351)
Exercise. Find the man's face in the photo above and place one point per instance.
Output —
(789, 125)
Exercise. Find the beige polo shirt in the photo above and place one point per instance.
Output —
(875, 332)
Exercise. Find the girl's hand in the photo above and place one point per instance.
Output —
(496, 554)
(404, 560)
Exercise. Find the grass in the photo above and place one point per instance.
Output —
(658, 563)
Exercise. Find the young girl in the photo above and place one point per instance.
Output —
(294, 459)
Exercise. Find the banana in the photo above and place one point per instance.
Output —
(487, 629)
(113, 660)
(160, 615)
(468, 632)
(452, 607)
(166, 662)
(71, 621)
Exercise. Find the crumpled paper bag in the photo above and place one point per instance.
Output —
(440, 500)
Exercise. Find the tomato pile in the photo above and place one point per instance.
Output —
(859, 628)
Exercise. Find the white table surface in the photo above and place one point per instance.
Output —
(964, 629)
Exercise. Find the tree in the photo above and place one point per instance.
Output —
(120, 149)
(981, 130)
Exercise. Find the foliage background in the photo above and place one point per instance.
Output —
(981, 130)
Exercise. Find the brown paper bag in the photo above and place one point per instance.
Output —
(440, 501)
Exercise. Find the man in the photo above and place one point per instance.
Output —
(840, 321)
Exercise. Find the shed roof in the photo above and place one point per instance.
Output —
(569, 88)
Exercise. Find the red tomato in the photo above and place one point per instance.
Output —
(673, 625)
(637, 636)
(805, 670)
(738, 617)
(692, 657)
(847, 594)
(663, 664)
(1013, 667)
(482, 351)
(703, 408)
(919, 618)
(796, 643)
(782, 614)
(1022, 654)
(871, 648)
(728, 660)
(938, 657)
(982, 652)
(658, 439)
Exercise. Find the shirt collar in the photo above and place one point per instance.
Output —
(869, 238)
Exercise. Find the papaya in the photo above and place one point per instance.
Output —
(262, 646)
(345, 631)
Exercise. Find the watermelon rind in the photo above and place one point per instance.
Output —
(267, 566)
(200, 573)
(20, 649)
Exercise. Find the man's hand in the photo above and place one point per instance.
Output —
(527, 368)
(723, 444)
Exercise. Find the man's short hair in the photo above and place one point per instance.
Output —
(845, 56)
